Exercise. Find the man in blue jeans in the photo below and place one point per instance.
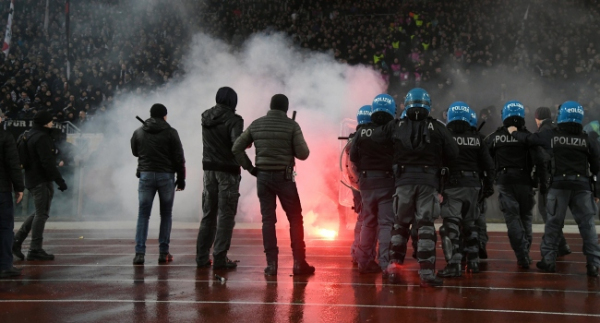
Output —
(11, 179)
(160, 156)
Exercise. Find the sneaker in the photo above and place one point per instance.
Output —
(271, 269)
(473, 267)
(592, 270)
(548, 267)
(303, 268)
(165, 257)
(139, 259)
(451, 270)
(207, 264)
(370, 268)
(224, 263)
(16, 249)
(12, 272)
(431, 280)
(39, 254)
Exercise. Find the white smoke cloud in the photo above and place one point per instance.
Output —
(321, 90)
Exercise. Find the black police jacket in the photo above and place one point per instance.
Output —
(158, 148)
(42, 158)
(421, 149)
(473, 160)
(367, 154)
(573, 153)
(220, 128)
(11, 177)
(515, 160)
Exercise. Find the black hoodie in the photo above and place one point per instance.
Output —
(158, 148)
(220, 128)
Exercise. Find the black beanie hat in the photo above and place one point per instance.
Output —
(42, 118)
(279, 102)
(543, 113)
(158, 111)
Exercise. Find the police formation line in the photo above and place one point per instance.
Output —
(412, 169)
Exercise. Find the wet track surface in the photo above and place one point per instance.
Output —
(93, 280)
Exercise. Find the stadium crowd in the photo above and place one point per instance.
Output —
(482, 52)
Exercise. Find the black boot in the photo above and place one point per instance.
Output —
(271, 269)
(451, 270)
(164, 258)
(370, 268)
(16, 249)
(224, 263)
(138, 259)
(564, 250)
(592, 270)
(473, 266)
(429, 279)
(39, 254)
(548, 267)
(301, 267)
(483, 251)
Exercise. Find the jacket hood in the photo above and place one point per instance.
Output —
(216, 115)
(227, 96)
(155, 125)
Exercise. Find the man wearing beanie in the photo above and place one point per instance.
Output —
(221, 126)
(543, 120)
(160, 156)
(278, 141)
(40, 172)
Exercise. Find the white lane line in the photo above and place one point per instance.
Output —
(453, 309)
(262, 267)
(261, 282)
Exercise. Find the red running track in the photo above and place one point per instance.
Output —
(93, 280)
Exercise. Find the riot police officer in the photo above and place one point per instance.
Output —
(463, 191)
(575, 156)
(421, 144)
(514, 162)
(376, 183)
(363, 117)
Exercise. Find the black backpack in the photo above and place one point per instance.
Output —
(24, 159)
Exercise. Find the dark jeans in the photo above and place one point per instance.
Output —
(516, 203)
(7, 224)
(584, 211)
(42, 199)
(270, 186)
(219, 206)
(150, 183)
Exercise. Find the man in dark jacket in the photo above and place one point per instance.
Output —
(220, 128)
(11, 179)
(543, 120)
(278, 140)
(39, 175)
(160, 156)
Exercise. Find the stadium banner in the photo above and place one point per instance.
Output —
(8, 34)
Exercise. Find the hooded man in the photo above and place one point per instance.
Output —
(221, 126)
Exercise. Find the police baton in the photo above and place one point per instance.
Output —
(140, 119)
(481, 126)
(294, 115)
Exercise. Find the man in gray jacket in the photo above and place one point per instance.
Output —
(278, 140)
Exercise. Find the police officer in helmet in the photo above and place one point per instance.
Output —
(376, 182)
(514, 162)
(575, 157)
(462, 192)
(422, 145)
(363, 118)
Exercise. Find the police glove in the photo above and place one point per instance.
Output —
(62, 186)
(180, 182)
(254, 171)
